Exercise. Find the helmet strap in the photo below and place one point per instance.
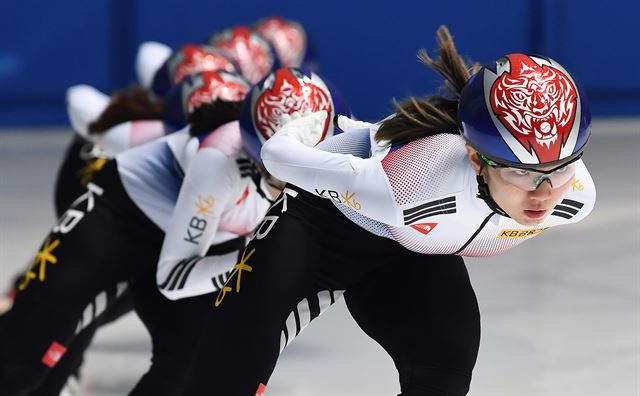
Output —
(256, 176)
(483, 194)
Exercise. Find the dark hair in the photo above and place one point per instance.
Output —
(135, 103)
(208, 117)
(420, 117)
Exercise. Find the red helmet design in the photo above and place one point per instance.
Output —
(288, 92)
(208, 86)
(249, 50)
(287, 38)
(536, 102)
(192, 59)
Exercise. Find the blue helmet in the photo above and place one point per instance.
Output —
(286, 91)
(525, 111)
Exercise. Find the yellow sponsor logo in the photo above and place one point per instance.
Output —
(346, 198)
(38, 268)
(91, 167)
(236, 273)
(508, 233)
(350, 200)
(576, 185)
(204, 205)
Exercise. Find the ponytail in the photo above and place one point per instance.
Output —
(416, 118)
(133, 104)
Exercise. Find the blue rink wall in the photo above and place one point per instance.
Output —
(367, 48)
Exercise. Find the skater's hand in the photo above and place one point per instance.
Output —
(307, 128)
(346, 124)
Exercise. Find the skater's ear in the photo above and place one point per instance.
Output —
(474, 158)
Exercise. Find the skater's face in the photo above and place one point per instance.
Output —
(528, 207)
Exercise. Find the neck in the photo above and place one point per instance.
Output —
(273, 190)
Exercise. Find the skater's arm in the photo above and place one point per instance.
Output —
(84, 105)
(150, 57)
(128, 134)
(359, 183)
(205, 191)
(347, 124)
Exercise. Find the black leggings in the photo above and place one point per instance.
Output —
(102, 242)
(421, 309)
(76, 170)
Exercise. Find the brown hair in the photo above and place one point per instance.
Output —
(420, 117)
(135, 103)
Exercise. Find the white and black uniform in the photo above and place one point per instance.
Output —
(217, 201)
(114, 235)
(86, 155)
(81, 160)
(385, 226)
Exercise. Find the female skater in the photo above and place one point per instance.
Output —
(385, 213)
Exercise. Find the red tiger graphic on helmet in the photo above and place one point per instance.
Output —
(537, 105)
(192, 59)
(287, 95)
(249, 50)
(210, 86)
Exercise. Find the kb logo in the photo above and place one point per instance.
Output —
(347, 198)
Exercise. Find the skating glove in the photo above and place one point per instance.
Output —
(307, 128)
(346, 124)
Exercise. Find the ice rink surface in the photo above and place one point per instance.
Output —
(560, 314)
